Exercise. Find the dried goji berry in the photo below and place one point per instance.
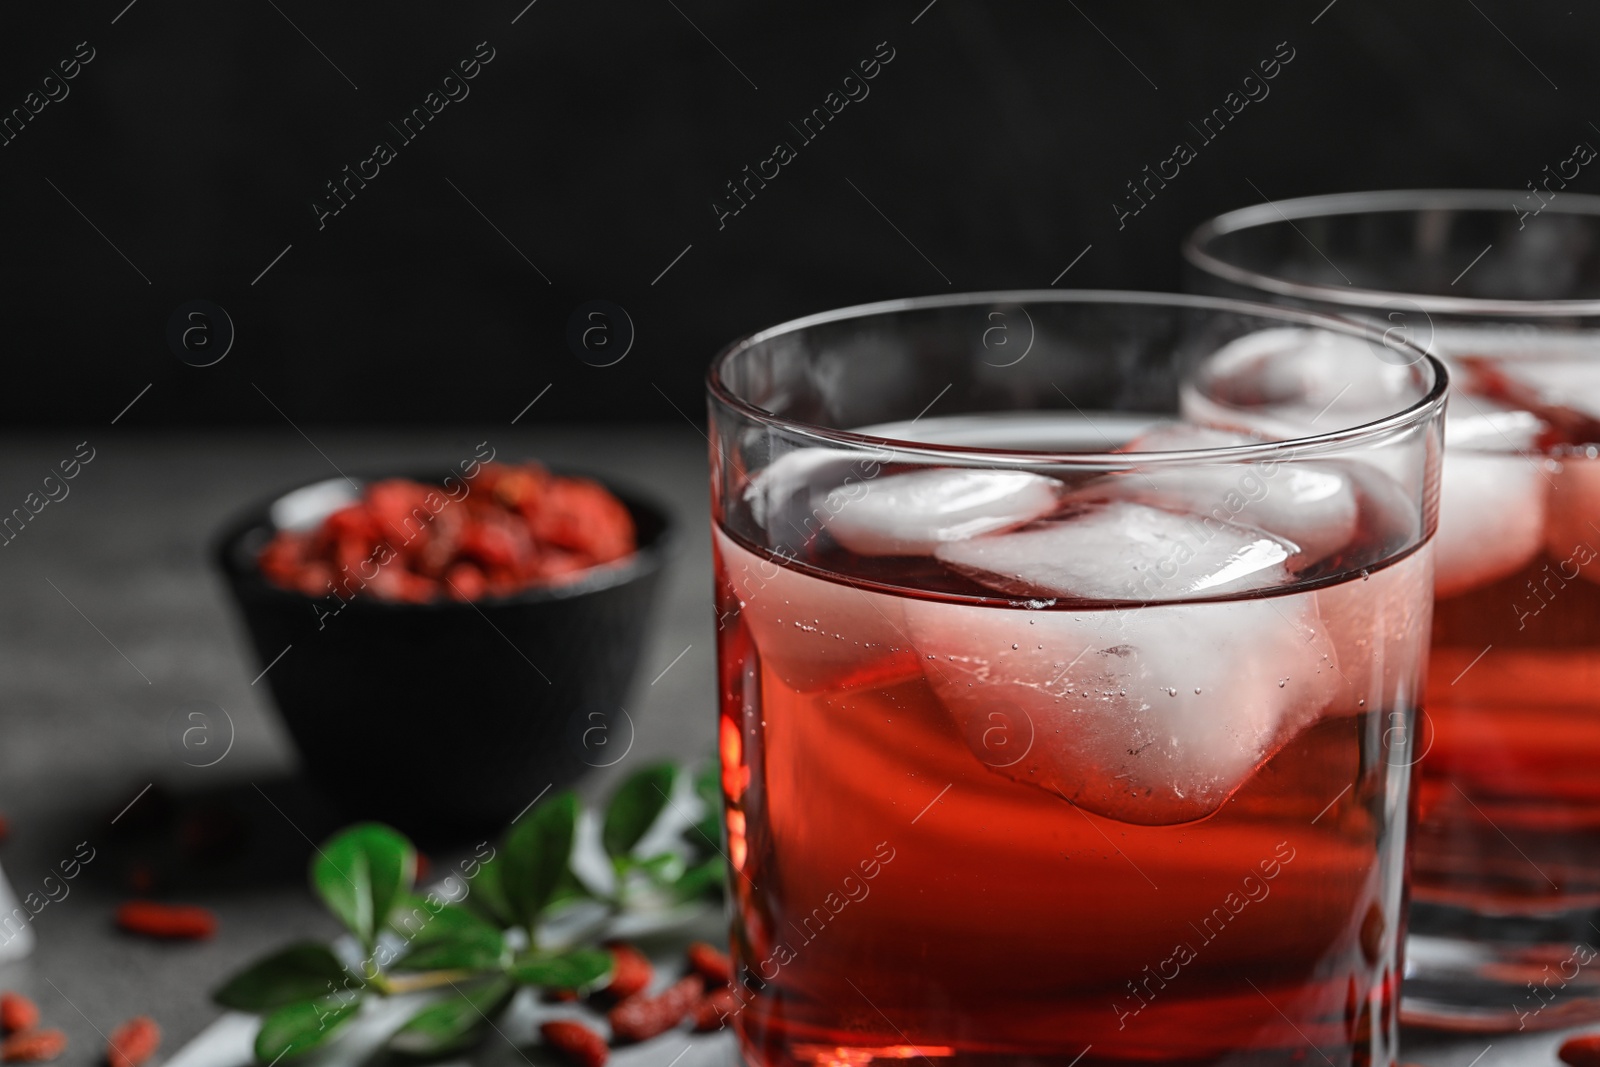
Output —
(175, 921)
(576, 1043)
(582, 516)
(399, 509)
(490, 545)
(1581, 1051)
(134, 1042)
(409, 542)
(466, 581)
(33, 1046)
(630, 971)
(710, 963)
(713, 1010)
(17, 1012)
(640, 1017)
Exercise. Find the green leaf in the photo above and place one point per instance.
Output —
(664, 868)
(537, 850)
(487, 895)
(360, 873)
(300, 1027)
(635, 806)
(702, 879)
(705, 835)
(409, 916)
(303, 971)
(708, 784)
(568, 889)
(581, 968)
(450, 939)
(454, 1023)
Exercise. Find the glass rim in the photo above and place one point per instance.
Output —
(1196, 248)
(1414, 414)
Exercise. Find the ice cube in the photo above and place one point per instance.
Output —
(912, 514)
(1492, 498)
(1568, 382)
(1572, 528)
(1154, 715)
(780, 493)
(1293, 382)
(1491, 519)
(1488, 425)
(813, 633)
(1124, 551)
(1380, 625)
(1312, 505)
(1026, 431)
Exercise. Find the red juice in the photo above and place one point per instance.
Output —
(1509, 804)
(1509, 812)
(970, 828)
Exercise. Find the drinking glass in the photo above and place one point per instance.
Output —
(1505, 287)
(1054, 729)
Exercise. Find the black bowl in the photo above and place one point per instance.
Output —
(448, 718)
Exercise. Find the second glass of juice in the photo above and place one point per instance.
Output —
(1505, 287)
(1055, 729)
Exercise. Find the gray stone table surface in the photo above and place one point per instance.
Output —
(111, 617)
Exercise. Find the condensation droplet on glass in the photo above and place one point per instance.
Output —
(1282, 682)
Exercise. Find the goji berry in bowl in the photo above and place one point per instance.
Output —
(444, 646)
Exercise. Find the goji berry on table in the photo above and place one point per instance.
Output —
(714, 1009)
(1581, 1051)
(575, 1042)
(710, 963)
(181, 922)
(17, 1012)
(630, 971)
(33, 1046)
(133, 1043)
(641, 1017)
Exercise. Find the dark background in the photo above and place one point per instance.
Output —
(589, 151)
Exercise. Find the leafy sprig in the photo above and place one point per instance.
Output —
(490, 942)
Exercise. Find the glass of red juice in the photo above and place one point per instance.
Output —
(1505, 288)
(1056, 728)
